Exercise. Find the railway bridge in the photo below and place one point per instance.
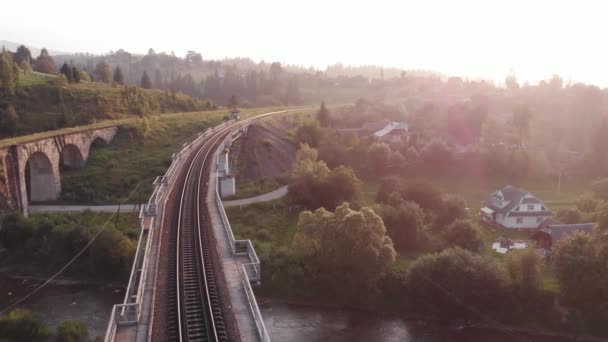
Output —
(30, 171)
(191, 279)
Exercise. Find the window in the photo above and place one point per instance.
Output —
(519, 220)
(539, 219)
(530, 206)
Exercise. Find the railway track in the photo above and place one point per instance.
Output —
(194, 307)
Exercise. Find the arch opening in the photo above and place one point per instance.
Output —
(39, 179)
(71, 158)
(98, 142)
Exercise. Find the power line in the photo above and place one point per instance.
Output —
(475, 310)
(69, 263)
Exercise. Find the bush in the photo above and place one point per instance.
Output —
(23, 325)
(464, 234)
(449, 283)
(72, 331)
(600, 188)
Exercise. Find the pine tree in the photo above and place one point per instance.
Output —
(323, 116)
(75, 74)
(118, 78)
(146, 83)
(8, 121)
(158, 79)
(7, 79)
(66, 70)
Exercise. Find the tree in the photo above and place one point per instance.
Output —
(569, 215)
(343, 247)
(463, 234)
(67, 71)
(404, 221)
(103, 72)
(8, 121)
(23, 325)
(379, 155)
(292, 95)
(84, 76)
(436, 152)
(313, 184)
(453, 207)
(600, 187)
(75, 74)
(524, 267)
(158, 79)
(146, 83)
(587, 202)
(599, 141)
(233, 102)
(7, 77)
(602, 217)
(310, 132)
(323, 115)
(118, 77)
(424, 193)
(72, 331)
(45, 63)
(521, 122)
(580, 264)
(449, 284)
(22, 54)
(26, 67)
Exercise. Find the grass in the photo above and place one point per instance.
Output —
(264, 223)
(35, 78)
(248, 188)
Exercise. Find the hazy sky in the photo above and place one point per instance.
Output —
(534, 38)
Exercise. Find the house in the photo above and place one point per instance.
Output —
(546, 237)
(512, 207)
(393, 129)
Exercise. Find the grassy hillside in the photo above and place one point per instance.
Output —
(35, 78)
(141, 151)
(43, 106)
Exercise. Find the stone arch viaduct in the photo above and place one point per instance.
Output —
(30, 171)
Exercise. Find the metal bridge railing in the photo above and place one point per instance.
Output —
(251, 272)
(129, 313)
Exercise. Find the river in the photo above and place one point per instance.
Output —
(55, 303)
(301, 323)
(285, 322)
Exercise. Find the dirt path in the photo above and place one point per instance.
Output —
(269, 196)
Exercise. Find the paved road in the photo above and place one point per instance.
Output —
(125, 208)
(269, 196)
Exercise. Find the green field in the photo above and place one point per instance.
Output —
(35, 78)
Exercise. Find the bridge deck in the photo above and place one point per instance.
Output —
(231, 265)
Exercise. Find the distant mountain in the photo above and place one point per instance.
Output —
(12, 46)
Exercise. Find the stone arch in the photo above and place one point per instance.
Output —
(71, 157)
(40, 178)
(98, 142)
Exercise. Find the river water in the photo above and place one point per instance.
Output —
(285, 322)
(55, 303)
(300, 323)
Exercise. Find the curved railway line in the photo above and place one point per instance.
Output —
(194, 307)
(194, 303)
